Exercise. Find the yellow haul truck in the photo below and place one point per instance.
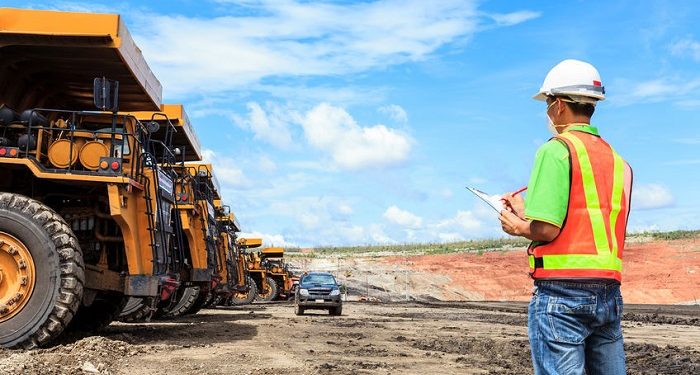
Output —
(199, 224)
(85, 208)
(266, 287)
(248, 295)
(278, 270)
(185, 144)
(229, 276)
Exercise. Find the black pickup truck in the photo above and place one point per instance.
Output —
(318, 291)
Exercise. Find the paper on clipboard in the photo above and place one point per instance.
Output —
(492, 200)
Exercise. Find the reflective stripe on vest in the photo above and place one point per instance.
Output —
(590, 242)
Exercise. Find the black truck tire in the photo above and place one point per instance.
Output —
(198, 302)
(103, 310)
(187, 296)
(137, 309)
(272, 290)
(336, 311)
(59, 272)
(247, 297)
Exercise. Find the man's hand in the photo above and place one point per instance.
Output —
(515, 204)
(513, 224)
(531, 229)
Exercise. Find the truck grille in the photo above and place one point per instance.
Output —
(320, 292)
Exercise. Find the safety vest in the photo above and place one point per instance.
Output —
(591, 241)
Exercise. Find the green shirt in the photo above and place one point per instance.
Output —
(548, 191)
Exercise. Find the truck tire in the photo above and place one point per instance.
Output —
(209, 300)
(105, 309)
(245, 298)
(336, 311)
(137, 309)
(42, 266)
(199, 302)
(298, 310)
(187, 297)
(271, 293)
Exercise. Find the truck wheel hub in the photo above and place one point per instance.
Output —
(17, 276)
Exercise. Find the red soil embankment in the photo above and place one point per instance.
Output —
(653, 272)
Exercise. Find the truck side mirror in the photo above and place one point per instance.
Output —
(106, 94)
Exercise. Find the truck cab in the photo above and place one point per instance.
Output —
(318, 291)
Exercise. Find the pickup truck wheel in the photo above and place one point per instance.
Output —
(336, 311)
(298, 310)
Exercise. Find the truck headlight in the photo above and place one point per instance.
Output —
(304, 292)
(335, 292)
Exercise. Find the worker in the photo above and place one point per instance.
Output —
(575, 214)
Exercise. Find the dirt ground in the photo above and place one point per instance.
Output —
(370, 338)
(659, 272)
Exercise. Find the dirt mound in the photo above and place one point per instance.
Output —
(90, 355)
(654, 359)
(661, 272)
(500, 357)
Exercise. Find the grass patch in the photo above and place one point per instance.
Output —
(670, 236)
(474, 246)
(416, 248)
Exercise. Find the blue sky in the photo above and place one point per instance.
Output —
(360, 122)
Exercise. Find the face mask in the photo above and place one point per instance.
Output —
(550, 124)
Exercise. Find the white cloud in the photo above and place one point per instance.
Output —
(462, 221)
(226, 171)
(376, 233)
(514, 18)
(395, 112)
(271, 126)
(332, 130)
(266, 164)
(269, 240)
(687, 46)
(662, 89)
(650, 196)
(403, 218)
(345, 209)
(297, 38)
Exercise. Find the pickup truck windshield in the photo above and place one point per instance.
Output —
(318, 279)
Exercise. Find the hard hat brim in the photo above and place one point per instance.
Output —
(541, 96)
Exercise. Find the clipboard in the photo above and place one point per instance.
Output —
(494, 201)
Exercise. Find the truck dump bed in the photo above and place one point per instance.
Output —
(185, 136)
(49, 59)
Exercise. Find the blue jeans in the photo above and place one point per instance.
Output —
(574, 328)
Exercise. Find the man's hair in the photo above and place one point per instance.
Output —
(581, 109)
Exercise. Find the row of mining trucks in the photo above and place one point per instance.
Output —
(107, 210)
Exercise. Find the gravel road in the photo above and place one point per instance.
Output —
(411, 338)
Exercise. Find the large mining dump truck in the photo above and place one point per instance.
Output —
(88, 205)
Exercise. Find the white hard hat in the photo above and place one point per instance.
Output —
(576, 79)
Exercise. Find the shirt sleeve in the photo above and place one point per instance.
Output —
(547, 196)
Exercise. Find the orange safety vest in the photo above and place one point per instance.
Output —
(591, 241)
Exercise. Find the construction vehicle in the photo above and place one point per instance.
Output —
(182, 293)
(278, 270)
(270, 274)
(231, 273)
(198, 189)
(88, 209)
(253, 279)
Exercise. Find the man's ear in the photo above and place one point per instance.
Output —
(561, 107)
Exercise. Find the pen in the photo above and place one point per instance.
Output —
(519, 191)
